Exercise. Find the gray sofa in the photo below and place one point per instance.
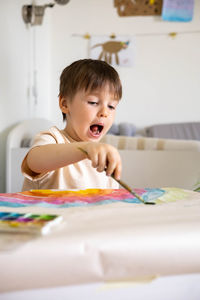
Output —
(179, 131)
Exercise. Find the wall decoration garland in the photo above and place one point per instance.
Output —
(120, 50)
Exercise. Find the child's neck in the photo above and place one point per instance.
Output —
(68, 136)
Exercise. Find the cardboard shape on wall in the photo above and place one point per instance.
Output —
(138, 7)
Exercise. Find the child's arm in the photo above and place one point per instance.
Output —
(50, 157)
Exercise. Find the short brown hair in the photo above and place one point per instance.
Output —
(88, 75)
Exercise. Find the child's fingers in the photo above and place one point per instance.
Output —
(93, 153)
(94, 159)
(111, 165)
(117, 172)
(101, 161)
(114, 166)
(104, 157)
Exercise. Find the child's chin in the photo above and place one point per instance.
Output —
(95, 138)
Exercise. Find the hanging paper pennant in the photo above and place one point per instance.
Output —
(117, 51)
(178, 10)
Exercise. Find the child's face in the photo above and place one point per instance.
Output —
(90, 114)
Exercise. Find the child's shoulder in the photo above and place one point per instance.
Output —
(53, 135)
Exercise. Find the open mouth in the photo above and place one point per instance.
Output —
(96, 129)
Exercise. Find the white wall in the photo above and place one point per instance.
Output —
(16, 72)
(163, 86)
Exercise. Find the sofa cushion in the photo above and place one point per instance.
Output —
(184, 131)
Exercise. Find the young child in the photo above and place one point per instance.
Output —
(89, 94)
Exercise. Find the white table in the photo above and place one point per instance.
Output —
(102, 251)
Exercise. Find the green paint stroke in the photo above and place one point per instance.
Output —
(172, 195)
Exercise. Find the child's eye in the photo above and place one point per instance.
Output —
(92, 102)
(111, 107)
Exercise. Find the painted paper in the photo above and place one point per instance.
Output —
(117, 51)
(56, 199)
(178, 10)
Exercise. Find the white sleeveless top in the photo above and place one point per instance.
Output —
(80, 175)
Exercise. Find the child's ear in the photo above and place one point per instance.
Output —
(63, 105)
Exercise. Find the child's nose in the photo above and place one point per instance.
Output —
(103, 112)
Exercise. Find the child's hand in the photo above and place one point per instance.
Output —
(104, 157)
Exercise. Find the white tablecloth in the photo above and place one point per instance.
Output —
(106, 243)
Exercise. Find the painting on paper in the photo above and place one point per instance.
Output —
(88, 197)
(177, 10)
(117, 51)
(56, 199)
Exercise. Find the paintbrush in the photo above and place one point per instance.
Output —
(128, 188)
(125, 186)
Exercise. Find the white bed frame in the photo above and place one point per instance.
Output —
(25, 130)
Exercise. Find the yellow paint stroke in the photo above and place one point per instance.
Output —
(86, 192)
(151, 2)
